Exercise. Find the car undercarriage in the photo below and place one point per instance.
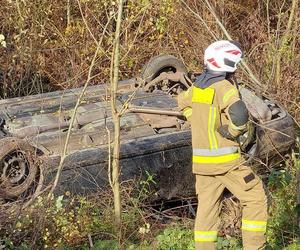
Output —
(155, 137)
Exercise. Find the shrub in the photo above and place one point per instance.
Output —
(282, 225)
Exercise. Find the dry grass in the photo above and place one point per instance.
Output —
(49, 47)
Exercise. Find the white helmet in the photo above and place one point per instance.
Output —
(223, 56)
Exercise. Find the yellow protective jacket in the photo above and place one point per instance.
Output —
(208, 109)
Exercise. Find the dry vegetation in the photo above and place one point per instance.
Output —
(49, 45)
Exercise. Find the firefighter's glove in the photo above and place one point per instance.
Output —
(223, 130)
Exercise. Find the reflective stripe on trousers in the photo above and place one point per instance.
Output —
(220, 155)
(207, 236)
(254, 225)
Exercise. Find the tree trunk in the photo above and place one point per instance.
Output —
(116, 118)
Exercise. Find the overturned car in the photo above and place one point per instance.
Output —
(155, 137)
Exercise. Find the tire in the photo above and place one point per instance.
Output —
(161, 63)
(18, 154)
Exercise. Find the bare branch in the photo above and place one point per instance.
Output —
(286, 37)
(64, 153)
(245, 66)
(65, 149)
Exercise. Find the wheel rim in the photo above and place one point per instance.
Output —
(16, 168)
(18, 174)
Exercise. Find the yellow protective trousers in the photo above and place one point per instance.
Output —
(248, 188)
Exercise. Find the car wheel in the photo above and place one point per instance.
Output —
(21, 175)
(163, 64)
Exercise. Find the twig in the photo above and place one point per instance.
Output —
(90, 240)
(109, 154)
(284, 40)
(243, 62)
(270, 129)
(201, 19)
(64, 153)
(125, 106)
(89, 30)
(268, 18)
(179, 207)
(136, 34)
(19, 10)
(68, 13)
(211, 9)
(162, 214)
(276, 48)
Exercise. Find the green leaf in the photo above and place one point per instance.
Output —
(58, 202)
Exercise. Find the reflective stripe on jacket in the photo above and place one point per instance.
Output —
(207, 109)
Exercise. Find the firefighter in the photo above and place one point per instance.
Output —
(218, 116)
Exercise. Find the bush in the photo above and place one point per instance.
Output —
(283, 223)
